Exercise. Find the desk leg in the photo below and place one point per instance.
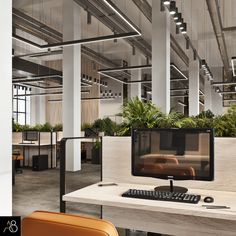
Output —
(23, 156)
(13, 172)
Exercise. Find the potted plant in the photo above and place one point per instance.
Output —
(96, 152)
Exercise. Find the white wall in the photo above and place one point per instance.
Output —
(6, 107)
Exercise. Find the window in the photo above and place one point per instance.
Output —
(21, 105)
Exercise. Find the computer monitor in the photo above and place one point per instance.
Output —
(175, 154)
(30, 136)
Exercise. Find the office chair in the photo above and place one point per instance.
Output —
(51, 223)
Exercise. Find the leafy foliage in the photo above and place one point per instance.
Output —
(106, 125)
(137, 114)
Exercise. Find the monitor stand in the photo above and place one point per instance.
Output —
(171, 188)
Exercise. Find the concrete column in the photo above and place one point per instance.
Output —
(208, 98)
(216, 99)
(71, 84)
(135, 89)
(6, 108)
(37, 108)
(217, 107)
(160, 57)
(193, 88)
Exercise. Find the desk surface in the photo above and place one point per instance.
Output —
(111, 196)
(31, 144)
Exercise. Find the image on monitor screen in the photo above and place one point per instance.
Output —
(180, 154)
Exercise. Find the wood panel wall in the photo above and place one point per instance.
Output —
(89, 109)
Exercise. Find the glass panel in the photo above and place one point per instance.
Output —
(14, 104)
(21, 106)
(21, 118)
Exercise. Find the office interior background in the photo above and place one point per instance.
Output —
(72, 62)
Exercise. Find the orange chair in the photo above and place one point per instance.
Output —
(43, 223)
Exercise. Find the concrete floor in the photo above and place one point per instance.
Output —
(39, 190)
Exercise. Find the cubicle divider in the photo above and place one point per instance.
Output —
(63, 143)
(46, 145)
(117, 165)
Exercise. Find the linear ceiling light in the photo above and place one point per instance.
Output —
(123, 82)
(121, 15)
(216, 84)
(233, 65)
(125, 68)
(228, 92)
(182, 103)
(178, 70)
(26, 41)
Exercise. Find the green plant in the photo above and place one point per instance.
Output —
(168, 120)
(137, 114)
(106, 125)
(16, 127)
(85, 126)
(57, 127)
(186, 122)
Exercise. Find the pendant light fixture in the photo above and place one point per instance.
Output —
(173, 8)
(176, 16)
(184, 28)
(166, 2)
(179, 21)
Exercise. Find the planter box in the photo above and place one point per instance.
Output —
(117, 165)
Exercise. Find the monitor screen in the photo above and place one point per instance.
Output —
(30, 136)
(181, 154)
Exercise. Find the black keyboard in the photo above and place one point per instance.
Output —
(162, 196)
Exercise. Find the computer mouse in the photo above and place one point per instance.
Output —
(208, 199)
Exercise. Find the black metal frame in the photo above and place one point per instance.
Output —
(63, 167)
(78, 41)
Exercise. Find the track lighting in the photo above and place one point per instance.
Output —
(166, 2)
(173, 8)
(176, 16)
(184, 29)
(179, 21)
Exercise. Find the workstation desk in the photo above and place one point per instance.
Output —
(164, 217)
(45, 145)
(157, 216)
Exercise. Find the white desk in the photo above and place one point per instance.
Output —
(33, 149)
(159, 216)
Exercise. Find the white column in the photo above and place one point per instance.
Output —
(216, 98)
(208, 97)
(217, 107)
(193, 88)
(6, 108)
(71, 84)
(160, 57)
(135, 89)
(37, 108)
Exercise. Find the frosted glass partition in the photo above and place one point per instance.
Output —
(45, 138)
(16, 137)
